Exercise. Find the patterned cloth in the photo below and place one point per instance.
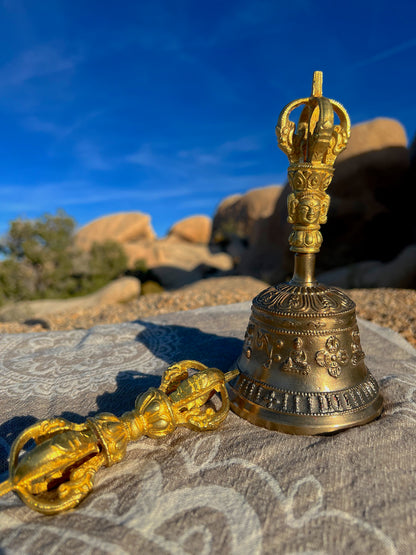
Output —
(239, 490)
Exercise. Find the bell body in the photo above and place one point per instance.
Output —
(302, 368)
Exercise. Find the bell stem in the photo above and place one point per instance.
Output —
(304, 272)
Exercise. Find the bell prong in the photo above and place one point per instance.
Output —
(317, 83)
(228, 376)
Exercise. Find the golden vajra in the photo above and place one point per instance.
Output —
(59, 472)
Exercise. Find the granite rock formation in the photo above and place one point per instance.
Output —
(195, 229)
(118, 291)
(367, 219)
(124, 227)
(237, 215)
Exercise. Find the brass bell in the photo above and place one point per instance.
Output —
(302, 367)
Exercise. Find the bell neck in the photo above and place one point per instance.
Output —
(304, 272)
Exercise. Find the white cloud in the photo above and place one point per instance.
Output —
(39, 61)
(91, 157)
(18, 200)
(244, 144)
(199, 157)
(188, 162)
(145, 156)
(33, 123)
(21, 199)
(58, 130)
(385, 54)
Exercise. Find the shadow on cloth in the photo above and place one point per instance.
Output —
(186, 343)
(170, 343)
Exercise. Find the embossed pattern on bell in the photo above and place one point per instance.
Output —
(298, 336)
(302, 367)
(317, 300)
(308, 403)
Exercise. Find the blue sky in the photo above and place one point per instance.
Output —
(168, 106)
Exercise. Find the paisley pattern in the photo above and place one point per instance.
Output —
(242, 489)
(318, 300)
(37, 364)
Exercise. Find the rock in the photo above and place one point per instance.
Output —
(367, 219)
(124, 227)
(181, 263)
(175, 263)
(147, 253)
(195, 229)
(118, 291)
(398, 273)
(373, 135)
(236, 215)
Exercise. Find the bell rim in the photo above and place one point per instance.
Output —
(301, 424)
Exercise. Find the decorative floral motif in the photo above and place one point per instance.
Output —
(333, 357)
(71, 363)
(294, 299)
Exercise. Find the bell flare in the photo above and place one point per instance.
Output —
(302, 368)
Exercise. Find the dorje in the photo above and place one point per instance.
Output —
(302, 368)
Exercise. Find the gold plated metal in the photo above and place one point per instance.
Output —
(59, 472)
(302, 367)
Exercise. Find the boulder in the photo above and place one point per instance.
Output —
(124, 227)
(147, 252)
(237, 214)
(373, 135)
(195, 229)
(367, 218)
(398, 273)
(181, 263)
(175, 263)
(118, 291)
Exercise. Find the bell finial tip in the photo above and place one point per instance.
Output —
(317, 83)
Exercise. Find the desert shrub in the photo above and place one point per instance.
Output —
(140, 266)
(104, 262)
(144, 274)
(151, 287)
(40, 260)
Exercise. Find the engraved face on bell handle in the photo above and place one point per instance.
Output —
(312, 147)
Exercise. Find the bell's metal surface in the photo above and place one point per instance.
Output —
(302, 368)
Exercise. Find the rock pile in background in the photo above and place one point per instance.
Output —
(195, 229)
(369, 239)
(176, 260)
(237, 216)
(371, 217)
(118, 291)
(125, 228)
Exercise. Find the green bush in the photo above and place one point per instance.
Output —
(151, 287)
(105, 262)
(40, 260)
